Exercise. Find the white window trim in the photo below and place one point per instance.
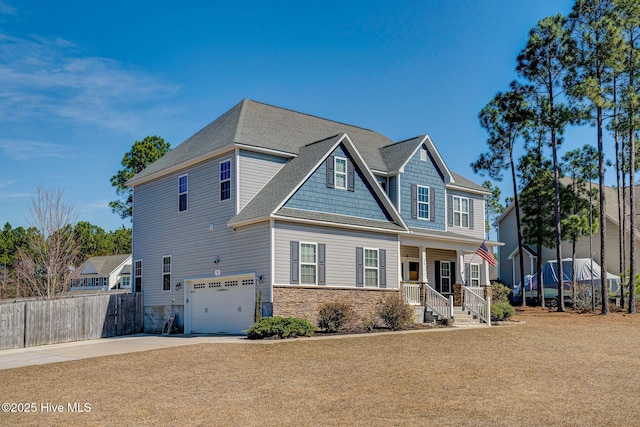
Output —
(471, 278)
(135, 273)
(427, 203)
(301, 263)
(460, 211)
(164, 273)
(442, 263)
(376, 268)
(336, 173)
(224, 180)
(186, 192)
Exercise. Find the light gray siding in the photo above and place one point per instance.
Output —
(196, 237)
(340, 252)
(254, 171)
(478, 215)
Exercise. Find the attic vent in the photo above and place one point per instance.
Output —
(423, 154)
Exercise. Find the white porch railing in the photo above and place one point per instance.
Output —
(412, 293)
(473, 301)
(437, 303)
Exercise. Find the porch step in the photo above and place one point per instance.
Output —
(462, 319)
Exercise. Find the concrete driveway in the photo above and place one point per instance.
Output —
(44, 354)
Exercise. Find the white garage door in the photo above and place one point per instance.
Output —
(222, 304)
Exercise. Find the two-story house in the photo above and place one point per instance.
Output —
(273, 205)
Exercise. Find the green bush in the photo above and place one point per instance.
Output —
(334, 316)
(395, 312)
(282, 327)
(499, 292)
(501, 310)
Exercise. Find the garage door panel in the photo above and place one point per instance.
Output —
(222, 305)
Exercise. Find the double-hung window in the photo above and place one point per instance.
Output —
(460, 211)
(182, 192)
(308, 263)
(474, 274)
(423, 202)
(371, 268)
(125, 282)
(225, 180)
(138, 275)
(166, 273)
(340, 172)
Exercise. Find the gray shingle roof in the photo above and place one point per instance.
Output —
(339, 219)
(255, 124)
(461, 181)
(104, 265)
(396, 154)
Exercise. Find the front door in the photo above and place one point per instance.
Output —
(414, 271)
(411, 271)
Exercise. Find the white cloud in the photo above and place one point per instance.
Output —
(6, 9)
(29, 150)
(51, 79)
(7, 195)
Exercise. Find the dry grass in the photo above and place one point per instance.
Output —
(557, 369)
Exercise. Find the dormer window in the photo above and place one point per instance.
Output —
(340, 172)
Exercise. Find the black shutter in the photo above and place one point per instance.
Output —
(322, 277)
(382, 267)
(414, 201)
(351, 182)
(359, 267)
(471, 214)
(450, 211)
(432, 204)
(330, 172)
(437, 286)
(453, 273)
(295, 266)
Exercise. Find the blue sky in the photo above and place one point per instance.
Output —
(80, 81)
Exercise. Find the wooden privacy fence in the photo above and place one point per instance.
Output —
(32, 323)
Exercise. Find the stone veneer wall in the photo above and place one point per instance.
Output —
(304, 302)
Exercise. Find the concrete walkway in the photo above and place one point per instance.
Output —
(53, 353)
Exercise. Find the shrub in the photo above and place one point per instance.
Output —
(282, 327)
(334, 316)
(395, 312)
(501, 310)
(499, 292)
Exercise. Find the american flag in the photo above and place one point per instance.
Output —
(486, 255)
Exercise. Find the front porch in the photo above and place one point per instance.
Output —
(465, 302)
(444, 277)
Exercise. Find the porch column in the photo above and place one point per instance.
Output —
(460, 272)
(487, 281)
(423, 264)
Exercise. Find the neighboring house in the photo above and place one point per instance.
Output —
(103, 273)
(508, 255)
(297, 210)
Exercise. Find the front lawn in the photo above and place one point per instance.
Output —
(557, 369)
